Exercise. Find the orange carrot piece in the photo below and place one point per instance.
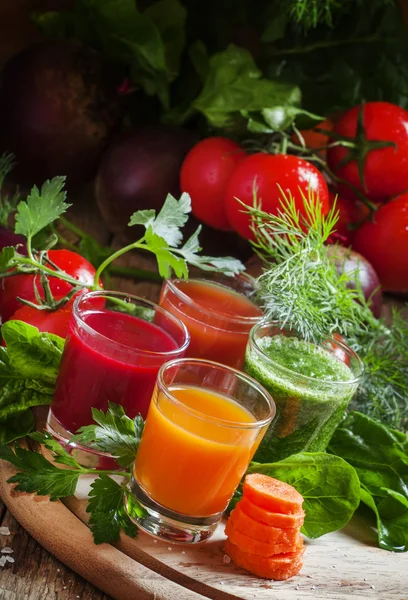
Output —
(252, 546)
(271, 494)
(261, 532)
(261, 515)
(279, 567)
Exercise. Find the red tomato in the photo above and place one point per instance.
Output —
(23, 285)
(384, 243)
(204, 175)
(315, 139)
(50, 322)
(385, 169)
(269, 173)
(351, 213)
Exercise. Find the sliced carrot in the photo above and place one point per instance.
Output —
(261, 515)
(271, 494)
(248, 544)
(261, 532)
(279, 567)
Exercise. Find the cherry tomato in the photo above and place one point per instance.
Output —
(385, 169)
(269, 174)
(384, 243)
(22, 286)
(50, 322)
(205, 173)
(315, 139)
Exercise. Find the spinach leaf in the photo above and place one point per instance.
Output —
(28, 371)
(234, 90)
(380, 457)
(329, 485)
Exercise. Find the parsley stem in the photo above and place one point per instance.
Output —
(116, 255)
(105, 472)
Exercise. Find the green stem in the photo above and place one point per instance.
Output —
(103, 472)
(332, 43)
(58, 274)
(114, 256)
(74, 228)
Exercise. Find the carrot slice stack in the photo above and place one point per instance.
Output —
(263, 530)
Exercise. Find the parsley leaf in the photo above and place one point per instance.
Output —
(114, 433)
(37, 474)
(41, 208)
(166, 260)
(173, 215)
(107, 508)
(6, 258)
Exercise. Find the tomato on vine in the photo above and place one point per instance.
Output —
(270, 175)
(371, 150)
(384, 243)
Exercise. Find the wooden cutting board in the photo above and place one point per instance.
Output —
(345, 564)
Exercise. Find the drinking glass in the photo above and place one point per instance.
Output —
(308, 406)
(219, 313)
(115, 346)
(204, 424)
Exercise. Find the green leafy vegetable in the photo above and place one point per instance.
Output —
(16, 426)
(329, 485)
(114, 433)
(380, 457)
(41, 208)
(118, 435)
(108, 515)
(234, 86)
(28, 371)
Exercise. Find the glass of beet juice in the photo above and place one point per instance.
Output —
(311, 384)
(115, 346)
(218, 312)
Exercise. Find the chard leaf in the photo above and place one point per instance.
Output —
(328, 484)
(234, 88)
(41, 208)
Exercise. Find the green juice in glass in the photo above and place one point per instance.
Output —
(311, 386)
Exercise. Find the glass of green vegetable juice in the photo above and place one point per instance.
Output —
(312, 386)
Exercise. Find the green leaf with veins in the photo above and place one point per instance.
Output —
(329, 485)
(60, 455)
(6, 258)
(172, 216)
(114, 433)
(41, 208)
(37, 474)
(166, 259)
(17, 426)
(107, 508)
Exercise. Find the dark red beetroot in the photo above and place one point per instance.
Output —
(348, 261)
(58, 106)
(138, 171)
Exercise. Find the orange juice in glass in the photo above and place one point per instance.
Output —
(204, 424)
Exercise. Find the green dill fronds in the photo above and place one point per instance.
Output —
(300, 286)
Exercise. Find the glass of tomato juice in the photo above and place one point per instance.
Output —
(115, 346)
(204, 424)
(218, 312)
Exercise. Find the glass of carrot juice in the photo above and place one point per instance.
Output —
(204, 424)
(218, 312)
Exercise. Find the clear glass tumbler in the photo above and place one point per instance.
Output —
(219, 313)
(204, 424)
(311, 385)
(115, 346)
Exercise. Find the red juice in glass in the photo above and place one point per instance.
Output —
(115, 346)
(218, 314)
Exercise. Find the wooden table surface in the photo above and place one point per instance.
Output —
(36, 574)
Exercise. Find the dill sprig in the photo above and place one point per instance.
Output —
(301, 287)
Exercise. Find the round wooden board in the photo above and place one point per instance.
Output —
(345, 564)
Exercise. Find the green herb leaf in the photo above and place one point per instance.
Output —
(234, 88)
(172, 216)
(60, 455)
(115, 433)
(108, 514)
(41, 207)
(38, 475)
(15, 427)
(329, 485)
(7, 256)
(380, 457)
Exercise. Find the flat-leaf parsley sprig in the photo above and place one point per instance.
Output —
(163, 237)
(115, 433)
